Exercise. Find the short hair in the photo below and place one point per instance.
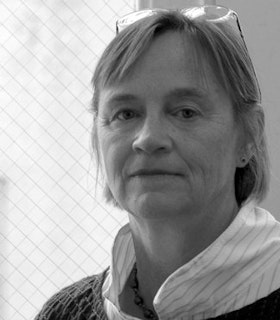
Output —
(225, 50)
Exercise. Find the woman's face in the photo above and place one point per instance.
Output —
(168, 140)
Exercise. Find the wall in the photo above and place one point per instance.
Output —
(261, 26)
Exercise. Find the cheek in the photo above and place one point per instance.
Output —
(103, 143)
(223, 155)
(112, 155)
(223, 150)
(210, 152)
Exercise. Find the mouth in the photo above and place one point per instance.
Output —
(154, 172)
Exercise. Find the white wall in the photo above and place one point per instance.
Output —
(260, 23)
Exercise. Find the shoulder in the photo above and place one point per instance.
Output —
(80, 300)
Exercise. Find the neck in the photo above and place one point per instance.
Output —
(163, 246)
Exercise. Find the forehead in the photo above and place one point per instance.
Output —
(171, 61)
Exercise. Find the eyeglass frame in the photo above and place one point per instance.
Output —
(154, 11)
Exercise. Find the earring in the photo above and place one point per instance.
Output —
(243, 160)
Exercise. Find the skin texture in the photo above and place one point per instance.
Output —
(169, 146)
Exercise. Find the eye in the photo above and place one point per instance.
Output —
(186, 113)
(126, 114)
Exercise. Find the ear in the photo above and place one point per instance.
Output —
(244, 155)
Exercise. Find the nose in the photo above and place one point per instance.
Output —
(153, 136)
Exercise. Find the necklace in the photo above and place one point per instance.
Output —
(138, 300)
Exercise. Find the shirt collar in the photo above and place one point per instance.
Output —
(208, 283)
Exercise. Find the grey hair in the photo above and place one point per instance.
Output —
(226, 52)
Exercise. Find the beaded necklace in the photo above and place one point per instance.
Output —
(138, 300)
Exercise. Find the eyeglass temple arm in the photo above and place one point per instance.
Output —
(242, 36)
(170, 4)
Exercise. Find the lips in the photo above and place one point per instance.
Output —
(154, 172)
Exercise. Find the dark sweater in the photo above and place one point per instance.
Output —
(83, 301)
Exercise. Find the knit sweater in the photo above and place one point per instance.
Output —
(83, 301)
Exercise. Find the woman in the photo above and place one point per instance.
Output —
(179, 136)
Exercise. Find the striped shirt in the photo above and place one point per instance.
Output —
(240, 267)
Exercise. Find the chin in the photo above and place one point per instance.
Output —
(157, 206)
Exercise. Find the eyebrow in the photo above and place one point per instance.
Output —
(193, 92)
(122, 97)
